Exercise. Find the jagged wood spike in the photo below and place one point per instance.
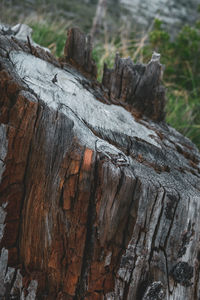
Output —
(137, 84)
(78, 50)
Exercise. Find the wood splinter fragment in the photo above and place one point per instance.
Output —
(138, 85)
(78, 51)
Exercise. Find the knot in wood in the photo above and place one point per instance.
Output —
(182, 273)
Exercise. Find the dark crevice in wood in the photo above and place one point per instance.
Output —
(2, 161)
(137, 185)
(119, 185)
(142, 287)
(172, 214)
(186, 238)
(152, 210)
(89, 244)
(78, 179)
(156, 228)
(126, 290)
(167, 268)
(25, 179)
(128, 228)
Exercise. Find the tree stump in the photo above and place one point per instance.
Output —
(99, 197)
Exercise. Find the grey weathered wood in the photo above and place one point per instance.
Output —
(80, 56)
(135, 84)
(97, 200)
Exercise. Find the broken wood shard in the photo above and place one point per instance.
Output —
(94, 204)
(78, 51)
(138, 85)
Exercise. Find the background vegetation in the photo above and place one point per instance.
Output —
(180, 55)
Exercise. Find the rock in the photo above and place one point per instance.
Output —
(174, 14)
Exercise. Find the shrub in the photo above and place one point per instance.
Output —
(181, 58)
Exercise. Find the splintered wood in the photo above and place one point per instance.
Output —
(94, 203)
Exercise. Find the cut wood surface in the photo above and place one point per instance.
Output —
(99, 197)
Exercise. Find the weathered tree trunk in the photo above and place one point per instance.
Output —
(99, 196)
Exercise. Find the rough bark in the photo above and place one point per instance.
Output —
(99, 200)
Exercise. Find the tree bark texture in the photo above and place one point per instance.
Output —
(99, 197)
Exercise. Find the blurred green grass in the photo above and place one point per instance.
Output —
(50, 36)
